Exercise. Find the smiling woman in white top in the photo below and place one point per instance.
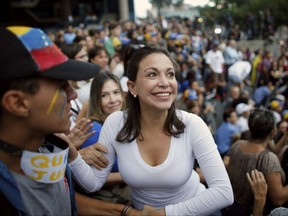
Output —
(156, 146)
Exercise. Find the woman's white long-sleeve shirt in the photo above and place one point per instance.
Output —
(172, 185)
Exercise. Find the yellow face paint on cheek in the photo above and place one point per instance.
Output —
(53, 101)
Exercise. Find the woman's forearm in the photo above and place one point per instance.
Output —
(86, 176)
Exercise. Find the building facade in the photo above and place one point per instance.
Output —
(43, 13)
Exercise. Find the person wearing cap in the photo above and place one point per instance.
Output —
(35, 104)
(276, 107)
(243, 111)
(151, 38)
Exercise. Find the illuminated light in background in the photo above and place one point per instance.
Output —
(200, 20)
(217, 30)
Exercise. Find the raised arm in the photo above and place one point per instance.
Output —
(88, 177)
(259, 189)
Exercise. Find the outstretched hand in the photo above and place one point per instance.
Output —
(94, 155)
(258, 184)
(259, 189)
(80, 132)
(72, 150)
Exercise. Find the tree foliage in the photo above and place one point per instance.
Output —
(159, 4)
(239, 9)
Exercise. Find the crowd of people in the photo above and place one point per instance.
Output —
(168, 121)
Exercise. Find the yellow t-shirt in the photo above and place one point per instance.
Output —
(116, 42)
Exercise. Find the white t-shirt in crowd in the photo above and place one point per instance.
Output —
(216, 60)
(84, 90)
(123, 82)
